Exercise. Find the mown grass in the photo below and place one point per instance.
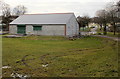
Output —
(85, 57)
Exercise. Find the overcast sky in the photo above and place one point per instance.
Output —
(79, 7)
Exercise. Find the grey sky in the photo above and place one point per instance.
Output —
(79, 7)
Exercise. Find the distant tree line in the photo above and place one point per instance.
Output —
(9, 14)
(109, 15)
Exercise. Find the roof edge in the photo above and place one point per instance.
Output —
(48, 13)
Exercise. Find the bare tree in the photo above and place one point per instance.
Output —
(103, 16)
(0, 6)
(97, 20)
(81, 22)
(118, 9)
(109, 15)
(6, 13)
(112, 13)
(86, 20)
(19, 10)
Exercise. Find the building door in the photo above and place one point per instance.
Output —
(21, 29)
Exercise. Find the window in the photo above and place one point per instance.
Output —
(37, 28)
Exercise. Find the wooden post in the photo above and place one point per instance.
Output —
(65, 31)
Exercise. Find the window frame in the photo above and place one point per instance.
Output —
(35, 27)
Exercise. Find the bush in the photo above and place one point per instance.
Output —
(99, 33)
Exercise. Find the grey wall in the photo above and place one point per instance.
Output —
(29, 29)
(72, 27)
(13, 29)
(58, 30)
(47, 30)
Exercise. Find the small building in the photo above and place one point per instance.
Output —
(58, 24)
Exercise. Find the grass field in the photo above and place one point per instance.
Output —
(46, 56)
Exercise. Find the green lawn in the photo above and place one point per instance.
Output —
(85, 57)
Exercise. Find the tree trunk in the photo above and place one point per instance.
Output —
(114, 28)
(100, 27)
(7, 26)
(83, 28)
(105, 30)
(79, 28)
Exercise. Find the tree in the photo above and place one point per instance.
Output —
(112, 15)
(6, 13)
(118, 9)
(83, 21)
(5, 9)
(1, 5)
(103, 17)
(109, 15)
(113, 10)
(97, 20)
(19, 10)
(86, 19)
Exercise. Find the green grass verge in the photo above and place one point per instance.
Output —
(111, 34)
(85, 57)
(86, 29)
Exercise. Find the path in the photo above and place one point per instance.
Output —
(94, 31)
(103, 36)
